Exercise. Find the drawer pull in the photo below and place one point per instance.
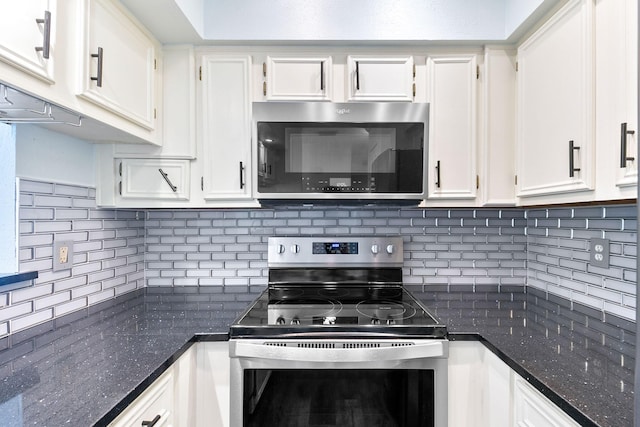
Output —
(98, 78)
(46, 34)
(152, 422)
(166, 178)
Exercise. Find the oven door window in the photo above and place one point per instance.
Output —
(340, 157)
(318, 397)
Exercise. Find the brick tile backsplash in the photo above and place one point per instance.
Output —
(484, 250)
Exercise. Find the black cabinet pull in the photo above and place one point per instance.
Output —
(438, 174)
(357, 75)
(152, 422)
(241, 175)
(98, 78)
(572, 168)
(321, 76)
(46, 35)
(166, 178)
(623, 145)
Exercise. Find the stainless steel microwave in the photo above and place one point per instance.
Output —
(370, 151)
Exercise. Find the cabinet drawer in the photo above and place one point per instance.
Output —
(156, 403)
(155, 179)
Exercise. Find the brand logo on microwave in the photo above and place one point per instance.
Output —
(342, 111)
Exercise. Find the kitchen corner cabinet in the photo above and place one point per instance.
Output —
(452, 95)
(297, 78)
(555, 83)
(29, 43)
(616, 47)
(119, 63)
(226, 127)
(485, 391)
(381, 78)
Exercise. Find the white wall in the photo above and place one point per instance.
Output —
(8, 257)
(42, 154)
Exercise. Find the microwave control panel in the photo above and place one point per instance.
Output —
(349, 184)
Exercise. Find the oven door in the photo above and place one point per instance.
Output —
(338, 382)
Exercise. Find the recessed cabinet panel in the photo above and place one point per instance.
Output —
(28, 37)
(226, 127)
(556, 105)
(380, 78)
(451, 93)
(118, 64)
(298, 78)
(532, 409)
(155, 179)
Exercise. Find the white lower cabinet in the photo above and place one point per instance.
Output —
(155, 404)
(212, 387)
(485, 391)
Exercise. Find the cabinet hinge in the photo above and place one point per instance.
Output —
(414, 71)
(264, 69)
(477, 182)
(264, 88)
(477, 72)
(202, 183)
(120, 188)
(120, 169)
(155, 64)
(200, 72)
(516, 180)
(414, 90)
(516, 66)
(155, 113)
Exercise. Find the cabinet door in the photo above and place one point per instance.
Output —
(118, 63)
(616, 41)
(28, 37)
(154, 404)
(226, 127)
(297, 79)
(533, 409)
(381, 78)
(451, 93)
(163, 179)
(213, 375)
(555, 104)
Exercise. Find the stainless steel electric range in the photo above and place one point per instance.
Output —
(336, 319)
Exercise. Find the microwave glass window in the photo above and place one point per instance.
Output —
(340, 157)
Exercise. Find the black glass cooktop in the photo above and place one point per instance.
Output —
(343, 310)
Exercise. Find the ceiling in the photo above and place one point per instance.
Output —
(331, 21)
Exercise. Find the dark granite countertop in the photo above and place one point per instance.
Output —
(76, 369)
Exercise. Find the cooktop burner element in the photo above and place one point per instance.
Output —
(323, 287)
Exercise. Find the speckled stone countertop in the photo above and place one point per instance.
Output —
(75, 370)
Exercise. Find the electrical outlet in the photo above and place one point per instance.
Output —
(62, 255)
(599, 253)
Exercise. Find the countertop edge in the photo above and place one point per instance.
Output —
(10, 278)
(558, 400)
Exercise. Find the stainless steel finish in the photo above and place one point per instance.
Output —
(353, 112)
(298, 252)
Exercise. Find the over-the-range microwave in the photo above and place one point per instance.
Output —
(367, 151)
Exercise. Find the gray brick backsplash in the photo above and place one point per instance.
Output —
(119, 251)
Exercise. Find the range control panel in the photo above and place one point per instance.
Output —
(335, 251)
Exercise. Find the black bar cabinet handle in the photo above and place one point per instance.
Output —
(321, 75)
(152, 422)
(241, 175)
(357, 75)
(438, 174)
(623, 145)
(98, 78)
(166, 178)
(46, 35)
(572, 168)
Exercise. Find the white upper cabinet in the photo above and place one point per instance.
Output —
(380, 78)
(160, 179)
(616, 47)
(297, 78)
(226, 127)
(118, 63)
(555, 131)
(29, 42)
(451, 93)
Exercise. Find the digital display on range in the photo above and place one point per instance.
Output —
(343, 248)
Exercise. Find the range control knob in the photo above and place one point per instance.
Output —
(375, 321)
(295, 249)
(280, 249)
(390, 249)
(375, 249)
(280, 321)
(295, 321)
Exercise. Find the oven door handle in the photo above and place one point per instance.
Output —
(328, 351)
